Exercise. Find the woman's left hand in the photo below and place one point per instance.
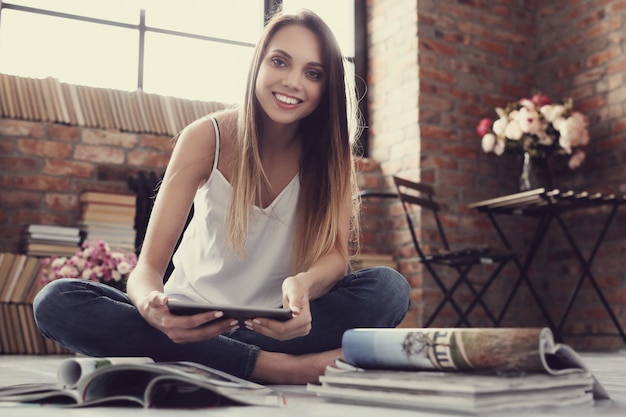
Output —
(295, 298)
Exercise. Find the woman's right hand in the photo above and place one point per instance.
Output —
(183, 329)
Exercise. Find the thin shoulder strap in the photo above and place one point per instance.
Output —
(217, 143)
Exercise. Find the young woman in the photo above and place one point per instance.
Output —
(274, 195)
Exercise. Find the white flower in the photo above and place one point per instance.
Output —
(58, 262)
(68, 271)
(80, 263)
(94, 261)
(528, 120)
(573, 131)
(500, 147)
(577, 127)
(489, 142)
(552, 112)
(116, 276)
(513, 130)
(500, 125)
(98, 271)
(538, 128)
(527, 104)
(124, 268)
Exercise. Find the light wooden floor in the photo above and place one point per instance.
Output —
(609, 368)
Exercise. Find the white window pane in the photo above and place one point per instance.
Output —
(72, 51)
(240, 20)
(126, 11)
(338, 14)
(195, 69)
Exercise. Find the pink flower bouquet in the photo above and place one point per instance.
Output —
(538, 127)
(96, 261)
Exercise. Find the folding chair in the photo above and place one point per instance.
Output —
(413, 194)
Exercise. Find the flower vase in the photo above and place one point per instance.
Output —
(535, 174)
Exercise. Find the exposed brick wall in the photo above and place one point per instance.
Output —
(437, 67)
(46, 166)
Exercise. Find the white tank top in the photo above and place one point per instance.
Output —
(207, 269)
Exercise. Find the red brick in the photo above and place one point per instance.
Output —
(616, 66)
(18, 165)
(20, 198)
(21, 128)
(26, 217)
(99, 154)
(43, 183)
(100, 137)
(161, 143)
(65, 133)
(39, 147)
(6, 146)
(492, 47)
(439, 48)
(148, 159)
(62, 202)
(68, 168)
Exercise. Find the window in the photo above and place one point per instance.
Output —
(195, 49)
(131, 44)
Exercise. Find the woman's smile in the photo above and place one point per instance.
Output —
(284, 99)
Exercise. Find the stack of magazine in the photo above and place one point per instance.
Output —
(135, 381)
(476, 370)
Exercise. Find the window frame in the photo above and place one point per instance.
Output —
(360, 58)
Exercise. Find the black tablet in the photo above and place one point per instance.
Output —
(240, 313)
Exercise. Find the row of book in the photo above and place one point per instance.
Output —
(49, 100)
(19, 284)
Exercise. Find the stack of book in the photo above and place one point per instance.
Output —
(460, 370)
(19, 283)
(48, 240)
(109, 217)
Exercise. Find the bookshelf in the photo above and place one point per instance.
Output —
(19, 284)
(49, 100)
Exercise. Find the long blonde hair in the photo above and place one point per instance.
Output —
(327, 172)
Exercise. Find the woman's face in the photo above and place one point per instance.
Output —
(291, 78)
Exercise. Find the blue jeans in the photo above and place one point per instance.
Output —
(97, 320)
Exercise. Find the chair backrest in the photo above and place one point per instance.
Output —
(413, 194)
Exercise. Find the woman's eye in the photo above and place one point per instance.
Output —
(314, 75)
(278, 62)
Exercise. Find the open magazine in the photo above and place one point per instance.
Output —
(141, 382)
(461, 369)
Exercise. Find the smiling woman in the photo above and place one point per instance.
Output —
(273, 188)
(201, 52)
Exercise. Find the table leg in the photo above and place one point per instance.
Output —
(586, 273)
(540, 232)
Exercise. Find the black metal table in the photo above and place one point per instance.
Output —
(548, 206)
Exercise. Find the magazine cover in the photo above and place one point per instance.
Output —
(463, 350)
